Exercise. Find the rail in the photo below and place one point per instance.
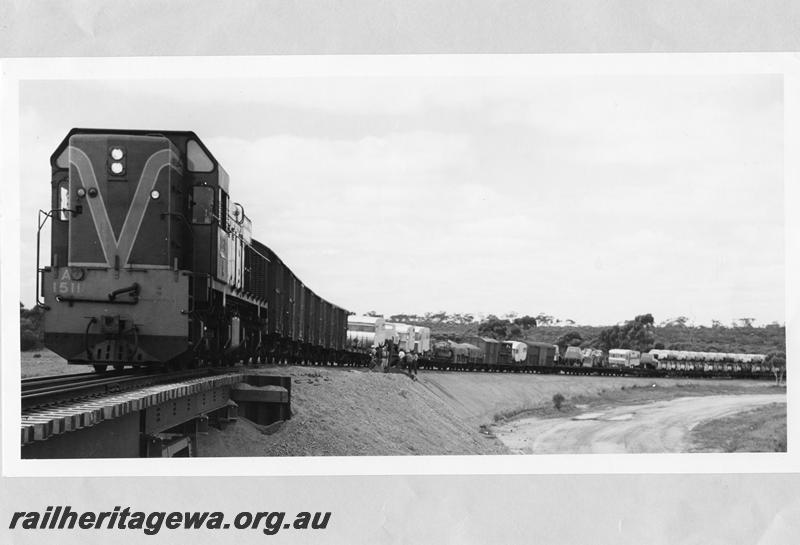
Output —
(43, 391)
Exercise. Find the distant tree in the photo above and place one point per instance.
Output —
(437, 317)
(659, 346)
(544, 319)
(716, 324)
(777, 361)
(31, 336)
(515, 331)
(374, 314)
(526, 322)
(494, 327)
(747, 322)
(680, 321)
(645, 319)
(570, 338)
(637, 334)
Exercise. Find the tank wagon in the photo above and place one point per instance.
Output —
(153, 263)
(365, 331)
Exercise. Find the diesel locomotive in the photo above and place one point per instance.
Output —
(153, 263)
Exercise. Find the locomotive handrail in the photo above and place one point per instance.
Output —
(92, 321)
(182, 217)
(43, 217)
(133, 289)
(41, 222)
(70, 300)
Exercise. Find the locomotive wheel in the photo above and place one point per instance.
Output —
(118, 367)
(100, 367)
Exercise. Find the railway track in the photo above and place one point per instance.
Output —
(434, 365)
(50, 390)
(596, 371)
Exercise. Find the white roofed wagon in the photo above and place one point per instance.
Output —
(365, 331)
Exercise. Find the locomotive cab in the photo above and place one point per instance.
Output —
(112, 295)
(152, 263)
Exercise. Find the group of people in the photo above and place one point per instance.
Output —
(389, 354)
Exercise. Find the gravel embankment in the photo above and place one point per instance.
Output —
(347, 412)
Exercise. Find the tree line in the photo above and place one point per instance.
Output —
(31, 334)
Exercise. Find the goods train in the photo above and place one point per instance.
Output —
(485, 354)
(480, 354)
(152, 262)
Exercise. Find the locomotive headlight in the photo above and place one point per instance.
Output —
(116, 168)
(81, 192)
(154, 194)
(117, 154)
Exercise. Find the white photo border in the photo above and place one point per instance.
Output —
(15, 71)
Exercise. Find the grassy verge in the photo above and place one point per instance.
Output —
(758, 430)
(635, 394)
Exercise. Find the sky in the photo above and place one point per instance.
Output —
(590, 198)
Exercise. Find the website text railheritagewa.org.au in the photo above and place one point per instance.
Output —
(152, 522)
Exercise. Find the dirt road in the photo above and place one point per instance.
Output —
(657, 427)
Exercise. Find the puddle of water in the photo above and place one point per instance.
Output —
(621, 417)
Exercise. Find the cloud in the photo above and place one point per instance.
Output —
(593, 198)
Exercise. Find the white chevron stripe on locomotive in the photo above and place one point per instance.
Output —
(133, 220)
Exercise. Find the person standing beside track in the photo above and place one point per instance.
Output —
(385, 350)
(413, 360)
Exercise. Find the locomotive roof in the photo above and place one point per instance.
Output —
(178, 138)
